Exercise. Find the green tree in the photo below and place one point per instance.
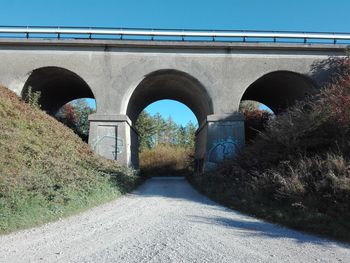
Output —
(171, 132)
(191, 129)
(160, 128)
(145, 125)
(182, 136)
(82, 111)
(155, 130)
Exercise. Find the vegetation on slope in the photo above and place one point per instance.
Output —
(46, 171)
(297, 172)
(256, 119)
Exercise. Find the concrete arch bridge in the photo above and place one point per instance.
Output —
(125, 76)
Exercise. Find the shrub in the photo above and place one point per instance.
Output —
(255, 122)
(166, 160)
(32, 97)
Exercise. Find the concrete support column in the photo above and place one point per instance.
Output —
(217, 139)
(113, 137)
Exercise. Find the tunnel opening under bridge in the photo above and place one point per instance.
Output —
(166, 139)
(174, 85)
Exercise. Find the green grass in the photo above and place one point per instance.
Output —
(46, 171)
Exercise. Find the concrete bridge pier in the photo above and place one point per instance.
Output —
(218, 139)
(114, 137)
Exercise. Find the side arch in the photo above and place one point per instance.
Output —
(280, 89)
(57, 86)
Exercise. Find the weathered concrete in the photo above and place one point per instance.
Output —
(218, 138)
(126, 76)
(114, 137)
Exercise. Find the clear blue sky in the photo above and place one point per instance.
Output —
(301, 15)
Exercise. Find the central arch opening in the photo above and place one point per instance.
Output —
(169, 85)
(166, 138)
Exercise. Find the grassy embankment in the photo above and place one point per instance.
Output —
(46, 171)
(297, 172)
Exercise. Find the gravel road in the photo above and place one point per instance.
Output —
(166, 220)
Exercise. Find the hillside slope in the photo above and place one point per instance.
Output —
(46, 171)
(296, 172)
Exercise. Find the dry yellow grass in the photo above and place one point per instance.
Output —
(166, 160)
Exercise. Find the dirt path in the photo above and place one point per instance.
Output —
(166, 220)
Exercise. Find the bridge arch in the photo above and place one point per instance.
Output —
(168, 84)
(174, 85)
(280, 89)
(57, 86)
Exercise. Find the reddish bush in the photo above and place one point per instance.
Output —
(67, 115)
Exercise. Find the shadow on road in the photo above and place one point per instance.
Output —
(178, 189)
(250, 226)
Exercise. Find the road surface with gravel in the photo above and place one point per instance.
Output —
(166, 220)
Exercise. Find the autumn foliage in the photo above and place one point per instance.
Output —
(297, 171)
(68, 116)
(75, 115)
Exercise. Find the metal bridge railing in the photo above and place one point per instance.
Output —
(173, 35)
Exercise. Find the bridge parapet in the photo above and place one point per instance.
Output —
(174, 34)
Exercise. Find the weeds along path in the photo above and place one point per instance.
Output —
(166, 220)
